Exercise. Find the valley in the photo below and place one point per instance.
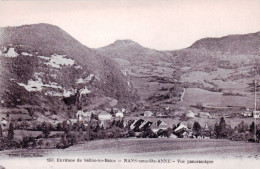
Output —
(56, 92)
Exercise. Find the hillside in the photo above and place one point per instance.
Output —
(214, 71)
(152, 72)
(44, 68)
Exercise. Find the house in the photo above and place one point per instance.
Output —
(256, 114)
(144, 126)
(135, 126)
(162, 124)
(119, 114)
(185, 134)
(123, 110)
(104, 116)
(181, 128)
(159, 125)
(190, 114)
(204, 115)
(160, 114)
(83, 116)
(148, 113)
(3, 122)
(247, 113)
(206, 127)
(132, 126)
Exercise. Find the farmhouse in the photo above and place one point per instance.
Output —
(145, 124)
(204, 115)
(148, 113)
(119, 114)
(181, 128)
(136, 124)
(3, 122)
(142, 125)
(159, 125)
(83, 116)
(256, 114)
(132, 126)
(190, 114)
(247, 113)
(104, 116)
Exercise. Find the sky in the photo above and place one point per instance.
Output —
(157, 24)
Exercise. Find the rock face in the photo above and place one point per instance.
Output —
(43, 66)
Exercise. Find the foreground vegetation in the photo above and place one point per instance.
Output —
(66, 134)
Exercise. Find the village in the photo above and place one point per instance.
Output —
(28, 130)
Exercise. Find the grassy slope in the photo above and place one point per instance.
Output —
(161, 147)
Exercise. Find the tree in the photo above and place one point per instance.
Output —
(10, 134)
(196, 128)
(66, 126)
(97, 128)
(252, 128)
(120, 124)
(45, 129)
(25, 142)
(199, 106)
(258, 135)
(217, 130)
(223, 129)
(241, 127)
(40, 143)
(59, 127)
(63, 140)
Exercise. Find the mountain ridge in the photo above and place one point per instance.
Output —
(41, 64)
(123, 71)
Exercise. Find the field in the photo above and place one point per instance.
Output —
(195, 95)
(19, 134)
(153, 148)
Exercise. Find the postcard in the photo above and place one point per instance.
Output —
(129, 84)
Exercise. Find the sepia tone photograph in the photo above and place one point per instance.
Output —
(130, 84)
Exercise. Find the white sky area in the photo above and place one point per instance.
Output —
(162, 25)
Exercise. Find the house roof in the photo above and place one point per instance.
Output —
(190, 114)
(161, 123)
(181, 126)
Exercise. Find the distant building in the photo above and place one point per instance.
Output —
(256, 114)
(104, 116)
(190, 114)
(3, 122)
(83, 116)
(143, 124)
(159, 125)
(148, 113)
(181, 128)
(119, 114)
(206, 127)
(136, 124)
(247, 113)
(204, 115)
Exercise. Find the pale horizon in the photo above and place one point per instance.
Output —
(160, 25)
